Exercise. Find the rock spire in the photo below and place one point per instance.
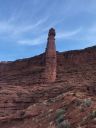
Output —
(50, 57)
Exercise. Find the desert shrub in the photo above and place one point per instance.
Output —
(60, 112)
(60, 122)
(87, 102)
(93, 114)
(60, 119)
(64, 124)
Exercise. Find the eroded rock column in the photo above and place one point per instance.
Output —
(50, 57)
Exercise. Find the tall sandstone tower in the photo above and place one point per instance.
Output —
(50, 57)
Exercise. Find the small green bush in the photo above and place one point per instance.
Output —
(59, 112)
(60, 122)
(64, 124)
(60, 119)
(87, 102)
(93, 114)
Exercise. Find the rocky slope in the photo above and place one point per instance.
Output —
(27, 101)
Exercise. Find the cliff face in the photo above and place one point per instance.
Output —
(22, 71)
(26, 101)
(31, 70)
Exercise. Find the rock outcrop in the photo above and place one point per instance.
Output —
(50, 57)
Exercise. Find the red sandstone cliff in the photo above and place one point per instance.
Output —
(28, 101)
(30, 70)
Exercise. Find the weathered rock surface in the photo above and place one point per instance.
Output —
(26, 101)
